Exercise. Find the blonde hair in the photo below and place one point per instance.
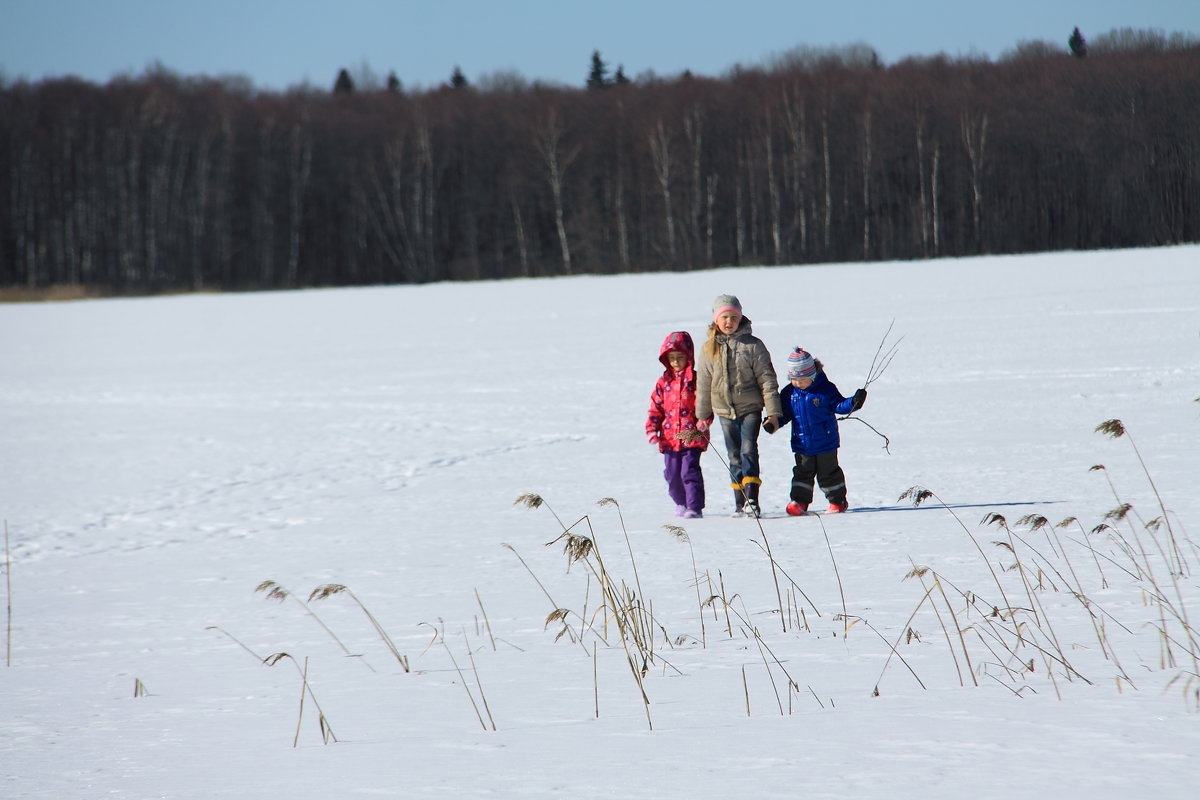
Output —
(710, 346)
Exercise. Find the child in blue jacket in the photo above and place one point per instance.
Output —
(811, 403)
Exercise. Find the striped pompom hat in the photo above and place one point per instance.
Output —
(801, 364)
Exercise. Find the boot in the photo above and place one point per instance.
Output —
(739, 501)
(751, 490)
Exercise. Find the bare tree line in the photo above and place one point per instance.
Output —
(163, 183)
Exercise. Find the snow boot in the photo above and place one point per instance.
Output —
(750, 487)
(795, 509)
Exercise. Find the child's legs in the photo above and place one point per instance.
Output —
(692, 478)
(673, 472)
(751, 424)
(830, 477)
(733, 450)
(803, 475)
(741, 445)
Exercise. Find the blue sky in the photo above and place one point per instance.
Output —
(282, 43)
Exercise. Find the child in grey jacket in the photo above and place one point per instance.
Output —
(735, 382)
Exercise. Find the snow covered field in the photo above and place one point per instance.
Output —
(161, 458)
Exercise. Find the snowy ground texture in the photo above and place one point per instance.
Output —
(161, 458)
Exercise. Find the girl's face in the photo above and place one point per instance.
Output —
(728, 321)
(677, 360)
(802, 383)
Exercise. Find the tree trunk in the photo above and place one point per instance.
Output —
(797, 130)
(974, 135)
(423, 201)
(827, 163)
(299, 169)
(710, 205)
(923, 219)
(262, 213)
(934, 177)
(522, 244)
(660, 154)
(866, 186)
(693, 128)
(548, 140)
(773, 193)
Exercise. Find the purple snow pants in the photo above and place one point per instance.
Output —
(685, 481)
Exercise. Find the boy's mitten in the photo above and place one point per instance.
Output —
(860, 399)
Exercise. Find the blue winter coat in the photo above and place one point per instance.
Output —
(813, 414)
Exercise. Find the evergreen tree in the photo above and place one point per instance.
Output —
(458, 80)
(393, 83)
(598, 77)
(344, 83)
(1077, 44)
(619, 79)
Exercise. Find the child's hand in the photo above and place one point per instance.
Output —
(654, 439)
(771, 424)
(860, 399)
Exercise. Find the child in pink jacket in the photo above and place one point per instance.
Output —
(672, 411)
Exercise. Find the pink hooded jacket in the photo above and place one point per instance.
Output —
(673, 401)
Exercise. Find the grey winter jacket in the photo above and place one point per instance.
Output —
(740, 380)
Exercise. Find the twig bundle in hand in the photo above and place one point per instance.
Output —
(883, 358)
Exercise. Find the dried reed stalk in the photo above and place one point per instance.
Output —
(681, 536)
(919, 495)
(326, 729)
(486, 622)
(637, 581)
(1171, 554)
(236, 641)
(276, 592)
(331, 589)
(795, 586)
(635, 626)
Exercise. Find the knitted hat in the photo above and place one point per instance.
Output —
(726, 302)
(801, 364)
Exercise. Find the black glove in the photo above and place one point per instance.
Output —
(769, 426)
(860, 399)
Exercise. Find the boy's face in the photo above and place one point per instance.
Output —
(728, 321)
(802, 383)
(677, 360)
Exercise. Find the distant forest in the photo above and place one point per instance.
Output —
(167, 183)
